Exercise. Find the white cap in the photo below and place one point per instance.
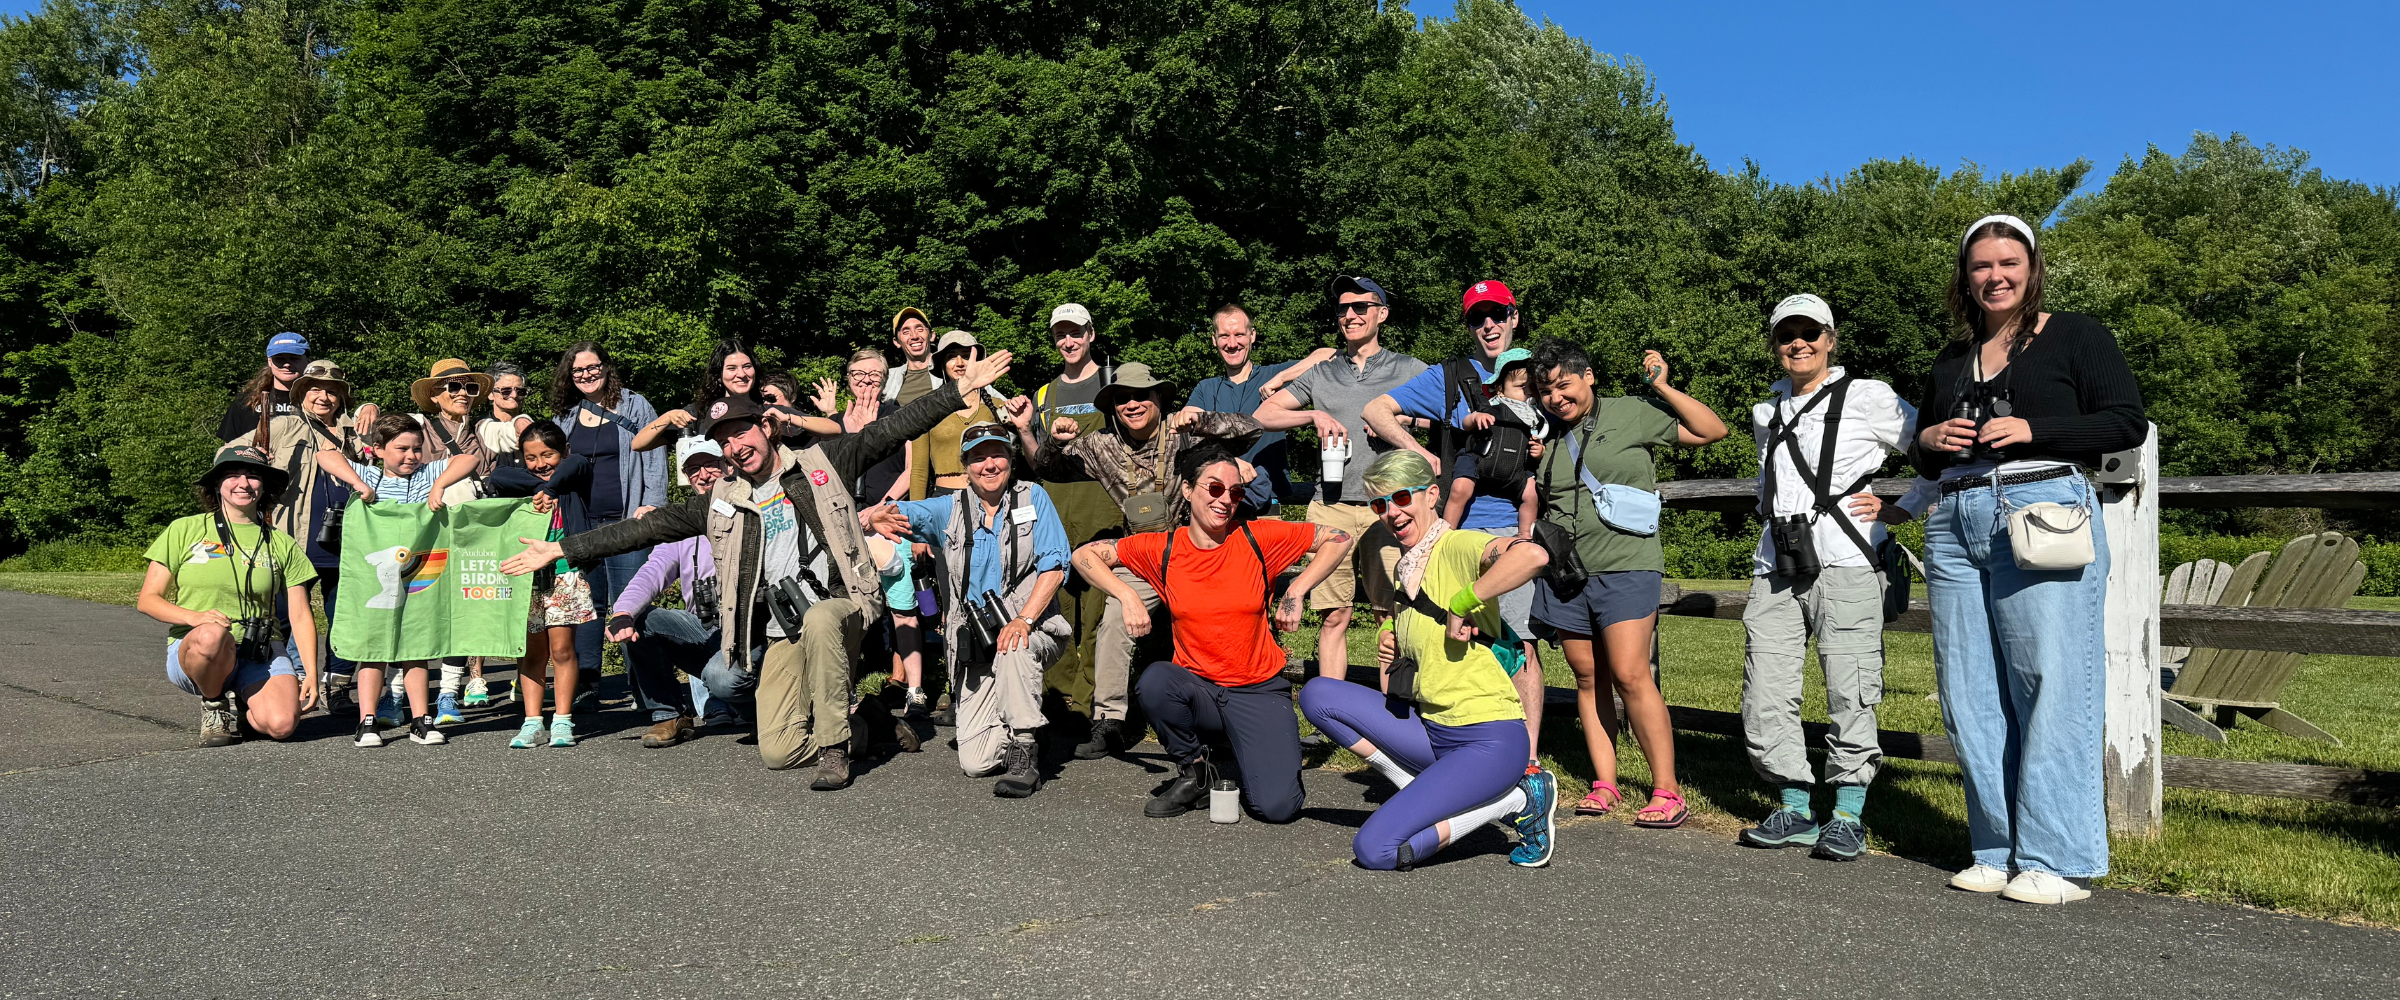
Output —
(2010, 221)
(1071, 313)
(1802, 304)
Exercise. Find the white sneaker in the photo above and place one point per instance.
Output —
(1981, 878)
(2043, 887)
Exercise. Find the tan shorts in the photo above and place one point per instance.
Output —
(1340, 590)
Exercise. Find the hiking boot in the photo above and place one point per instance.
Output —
(1107, 738)
(943, 713)
(218, 725)
(668, 733)
(1841, 839)
(366, 734)
(1980, 878)
(912, 739)
(833, 769)
(1021, 771)
(1185, 793)
(1782, 828)
(1534, 841)
(423, 731)
(2042, 887)
(445, 709)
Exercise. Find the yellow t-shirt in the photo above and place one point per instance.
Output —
(1458, 683)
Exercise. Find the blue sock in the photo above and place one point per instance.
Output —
(1850, 799)
(1795, 798)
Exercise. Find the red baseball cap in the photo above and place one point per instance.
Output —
(1488, 291)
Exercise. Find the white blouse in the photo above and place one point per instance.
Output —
(1875, 424)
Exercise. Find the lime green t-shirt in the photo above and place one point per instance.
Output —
(1616, 438)
(1458, 683)
(208, 578)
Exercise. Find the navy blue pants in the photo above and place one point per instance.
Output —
(1256, 719)
(1457, 767)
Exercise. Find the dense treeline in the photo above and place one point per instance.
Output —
(408, 179)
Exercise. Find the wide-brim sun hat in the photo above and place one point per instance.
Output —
(251, 458)
(1132, 377)
(1508, 359)
(321, 374)
(445, 370)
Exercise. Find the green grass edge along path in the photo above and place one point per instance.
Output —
(2325, 860)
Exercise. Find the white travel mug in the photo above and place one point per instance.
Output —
(1335, 456)
(1224, 802)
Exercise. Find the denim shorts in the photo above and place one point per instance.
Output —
(1607, 599)
(246, 673)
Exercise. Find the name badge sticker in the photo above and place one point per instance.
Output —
(1023, 515)
(720, 507)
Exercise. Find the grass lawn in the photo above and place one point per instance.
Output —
(2325, 860)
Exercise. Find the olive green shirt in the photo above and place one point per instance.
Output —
(1616, 438)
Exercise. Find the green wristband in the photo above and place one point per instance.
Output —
(1464, 603)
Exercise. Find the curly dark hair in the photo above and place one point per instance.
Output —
(563, 393)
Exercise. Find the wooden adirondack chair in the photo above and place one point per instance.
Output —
(2311, 571)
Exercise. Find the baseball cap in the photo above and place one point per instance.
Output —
(730, 410)
(981, 433)
(1802, 304)
(697, 449)
(1488, 291)
(286, 342)
(1071, 313)
(1346, 284)
(957, 338)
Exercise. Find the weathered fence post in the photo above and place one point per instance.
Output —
(2130, 754)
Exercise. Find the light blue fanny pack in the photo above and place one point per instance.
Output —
(1625, 508)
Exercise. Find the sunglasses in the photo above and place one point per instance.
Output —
(510, 392)
(285, 360)
(1216, 490)
(1402, 499)
(463, 388)
(1811, 334)
(1483, 316)
(1354, 308)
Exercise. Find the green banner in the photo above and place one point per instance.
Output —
(420, 584)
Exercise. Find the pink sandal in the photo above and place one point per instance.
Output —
(1674, 818)
(1594, 805)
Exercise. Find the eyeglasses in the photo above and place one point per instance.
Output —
(1483, 316)
(1397, 498)
(466, 388)
(580, 371)
(510, 392)
(1811, 334)
(1354, 308)
(865, 375)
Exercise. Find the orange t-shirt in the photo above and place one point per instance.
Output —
(1218, 596)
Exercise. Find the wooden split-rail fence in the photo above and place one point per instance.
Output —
(2131, 495)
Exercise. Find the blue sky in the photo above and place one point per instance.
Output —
(1811, 89)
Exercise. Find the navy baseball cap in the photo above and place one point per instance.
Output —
(1345, 284)
(287, 342)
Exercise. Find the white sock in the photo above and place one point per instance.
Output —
(399, 693)
(1513, 802)
(1391, 769)
(450, 675)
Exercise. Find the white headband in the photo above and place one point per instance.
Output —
(2011, 221)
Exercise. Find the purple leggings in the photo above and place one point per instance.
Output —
(1457, 767)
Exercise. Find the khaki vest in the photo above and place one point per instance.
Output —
(806, 473)
(1017, 539)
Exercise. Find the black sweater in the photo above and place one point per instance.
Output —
(2070, 384)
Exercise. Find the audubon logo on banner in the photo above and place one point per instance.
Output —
(420, 584)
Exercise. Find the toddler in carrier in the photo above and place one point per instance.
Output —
(1506, 437)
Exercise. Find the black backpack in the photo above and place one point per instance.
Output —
(1505, 456)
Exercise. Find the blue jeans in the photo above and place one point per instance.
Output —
(672, 640)
(2022, 667)
(608, 578)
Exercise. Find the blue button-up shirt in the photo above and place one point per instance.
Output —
(928, 520)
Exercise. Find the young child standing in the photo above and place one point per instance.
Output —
(556, 479)
(400, 475)
(1512, 410)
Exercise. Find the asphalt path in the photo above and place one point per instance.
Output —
(139, 865)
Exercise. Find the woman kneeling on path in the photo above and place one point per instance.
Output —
(226, 568)
(1226, 677)
(1448, 728)
(1004, 555)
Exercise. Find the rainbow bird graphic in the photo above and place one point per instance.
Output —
(426, 568)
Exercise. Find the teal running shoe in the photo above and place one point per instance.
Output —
(562, 731)
(1536, 824)
(1842, 839)
(529, 735)
(1782, 828)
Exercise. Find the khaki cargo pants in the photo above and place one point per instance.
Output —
(804, 686)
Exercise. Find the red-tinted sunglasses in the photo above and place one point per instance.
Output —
(1397, 498)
